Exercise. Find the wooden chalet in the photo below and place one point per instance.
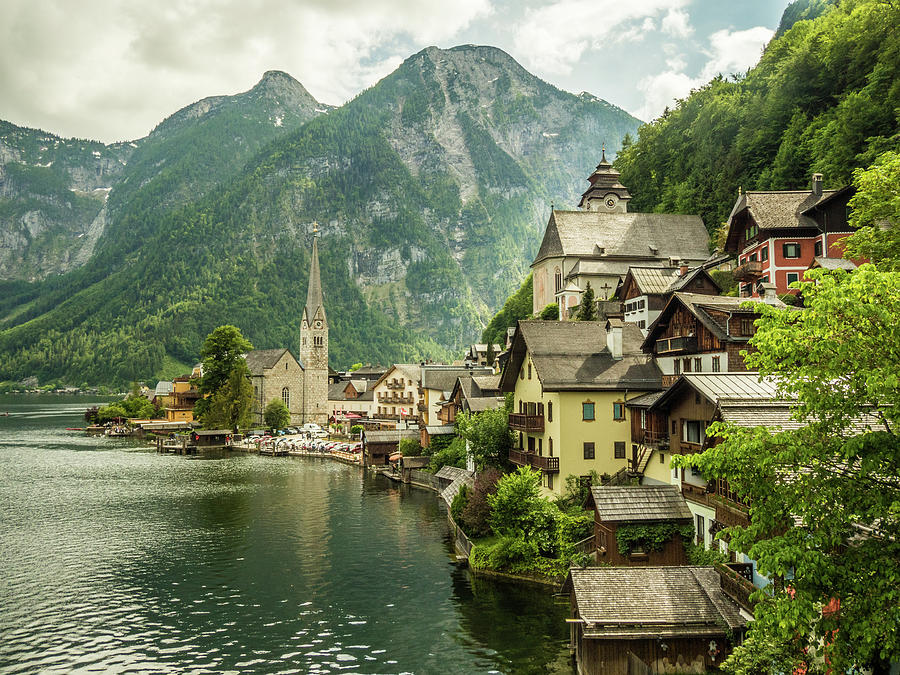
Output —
(644, 505)
(651, 620)
(701, 334)
(471, 393)
(378, 446)
(776, 234)
(645, 290)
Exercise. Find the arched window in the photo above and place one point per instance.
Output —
(286, 397)
(558, 280)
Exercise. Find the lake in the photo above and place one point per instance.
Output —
(118, 559)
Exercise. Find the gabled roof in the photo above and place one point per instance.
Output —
(639, 503)
(833, 263)
(337, 391)
(443, 378)
(389, 436)
(451, 490)
(360, 385)
(719, 387)
(164, 388)
(698, 304)
(633, 235)
(409, 371)
(486, 382)
(482, 403)
(660, 280)
(573, 356)
(632, 602)
(448, 472)
(260, 359)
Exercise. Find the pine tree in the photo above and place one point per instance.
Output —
(587, 310)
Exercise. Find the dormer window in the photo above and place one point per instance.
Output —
(751, 231)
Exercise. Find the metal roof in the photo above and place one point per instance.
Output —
(747, 386)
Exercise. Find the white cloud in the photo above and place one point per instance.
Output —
(729, 52)
(677, 23)
(111, 70)
(554, 38)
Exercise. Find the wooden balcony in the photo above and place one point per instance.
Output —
(731, 514)
(654, 439)
(736, 585)
(546, 464)
(676, 345)
(749, 271)
(523, 422)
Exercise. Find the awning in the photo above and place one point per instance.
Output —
(395, 457)
(352, 416)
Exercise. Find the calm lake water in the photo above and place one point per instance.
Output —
(116, 559)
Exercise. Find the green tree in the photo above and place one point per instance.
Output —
(488, 436)
(230, 407)
(222, 352)
(489, 355)
(550, 312)
(354, 367)
(875, 210)
(823, 497)
(587, 310)
(409, 447)
(276, 414)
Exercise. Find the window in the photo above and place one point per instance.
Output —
(746, 290)
(662, 458)
(541, 446)
(698, 365)
(752, 257)
(549, 481)
(817, 249)
(550, 411)
(587, 411)
(642, 324)
(687, 365)
(531, 444)
(588, 450)
(522, 373)
(701, 523)
(550, 444)
(557, 279)
(678, 366)
(764, 254)
(692, 432)
(285, 365)
(674, 427)
(791, 250)
(752, 231)
(746, 326)
(643, 418)
(318, 341)
(286, 397)
(618, 411)
(619, 449)
(792, 277)
(717, 364)
(529, 371)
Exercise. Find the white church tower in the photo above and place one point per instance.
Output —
(314, 344)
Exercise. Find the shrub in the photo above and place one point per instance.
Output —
(459, 504)
(453, 454)
(477, 512)
(356, 429)
(409, 447)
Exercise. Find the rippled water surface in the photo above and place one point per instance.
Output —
(116, 559)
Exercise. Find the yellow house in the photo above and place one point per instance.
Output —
(570, 382)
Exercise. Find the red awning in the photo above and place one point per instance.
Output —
(395, 457)
(352, 416)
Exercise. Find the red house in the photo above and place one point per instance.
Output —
(777, 235)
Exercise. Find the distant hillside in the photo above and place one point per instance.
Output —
(824, 98)
(431, 190)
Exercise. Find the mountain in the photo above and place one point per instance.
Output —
(431, 190)
(823, 98)
(58, 195)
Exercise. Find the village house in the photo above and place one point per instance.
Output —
(777, 235)
(275, 375)
(380, 445)
(472, 393)
(651, 620)
(353, 397)
(477, 354)
(437, 382)
(646, 290)
(645, 507)
(183, 397)
(396, 392)
(570, 381)
(599, 242)
(697, 333)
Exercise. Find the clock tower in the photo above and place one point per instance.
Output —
(606, 194)
(314, 344)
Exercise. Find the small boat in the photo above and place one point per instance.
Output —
(74, 428)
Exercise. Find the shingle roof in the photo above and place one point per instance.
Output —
(164, 388)
(389, 436)
(651, 280)
(440, 430)
(652, 601)
(572, 355)
(747, 386)
(635, 503)
(834, 263)
(778, 416)
(449, 492)
(443, 378)
(487, 382)
(782, 209)
(260, 359)
(314, 299)
(360, 385)
(409, 371)
(336, 391)
(452, 472)
(482, 403)
(644, 400)
(576, 233)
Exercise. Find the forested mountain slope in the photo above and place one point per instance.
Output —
(430, 190)
(824, 98)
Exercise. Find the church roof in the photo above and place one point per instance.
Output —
(314, 299)
(260, 359)
(635, 236)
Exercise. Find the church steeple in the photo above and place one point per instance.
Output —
(606, 193)
(314, 300)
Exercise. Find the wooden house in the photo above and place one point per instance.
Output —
(645, 290)
(701, 334)
(378, 446)
(436, 384)
(618, 508)
(471, 393)
(776, 234)
(650, 620)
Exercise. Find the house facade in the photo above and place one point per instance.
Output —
(396, 393)
(437, 383)
(570, 382)
(776, 235)
(645, 290)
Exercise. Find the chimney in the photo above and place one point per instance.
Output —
(682, 268)
(614, 337)
(768, 292)
(817, 184)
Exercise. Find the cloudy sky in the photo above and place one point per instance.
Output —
(112, 69)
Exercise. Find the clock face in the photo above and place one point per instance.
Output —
(611, 202)
(318, 324)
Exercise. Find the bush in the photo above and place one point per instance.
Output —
(454, 454)
(460, 500)
(517, 498)
(550, 312)
(477, 512)
(276, 414)
(356, 429)
(409, 447)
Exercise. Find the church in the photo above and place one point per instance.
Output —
(601, 240)
(301, 384)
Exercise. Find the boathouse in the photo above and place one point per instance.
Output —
(650, 620)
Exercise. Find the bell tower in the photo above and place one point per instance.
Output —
(606, 194)
(314, 344)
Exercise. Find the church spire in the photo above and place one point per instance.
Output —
(314, 291)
